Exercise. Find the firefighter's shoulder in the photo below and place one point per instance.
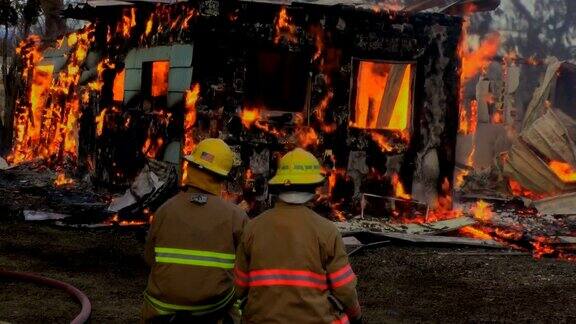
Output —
(322, 223)
(235, 209)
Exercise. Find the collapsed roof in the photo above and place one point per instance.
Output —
(90, 9)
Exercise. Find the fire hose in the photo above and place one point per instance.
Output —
(84, 314)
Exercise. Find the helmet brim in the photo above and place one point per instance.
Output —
(303, 179)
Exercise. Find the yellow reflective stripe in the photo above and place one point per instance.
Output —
(197, 310)
(204, 263)
(195, 252)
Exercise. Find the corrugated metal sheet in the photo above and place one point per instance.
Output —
(104, 3)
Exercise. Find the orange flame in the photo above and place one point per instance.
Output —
(443, 209)
(372, 85)
(249, 116)
(115, 220)
(307, 137)
(318, 32)
(61, 180)
(382, 141)
(100, 119)
(563, 170)
(151, 146)
(48, 128)
(190, 100)
(482, 211)
(160, 70)
(320, 113)
(127, 23)
(473, 232)
(519, 191)
(541, 247)
(284, 28)
(474, 62)
(399, 191)
(118, 86)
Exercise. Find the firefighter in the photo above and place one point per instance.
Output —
(192, 242)
(291, 266)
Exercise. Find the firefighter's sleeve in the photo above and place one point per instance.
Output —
(341, 278)
(241, 268)
(149, 254)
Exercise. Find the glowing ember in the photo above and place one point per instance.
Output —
(116, 221)
(541, 248)
(482, 211)
(519, 191)
(382, 141)
(61, 180)
(563, 170)
(284, 28)
(399, 191)
(473, 232)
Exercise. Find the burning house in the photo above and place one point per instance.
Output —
(373, 93)
(410, 125)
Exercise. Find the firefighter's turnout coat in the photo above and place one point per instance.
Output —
(191, 249)
(292, 268)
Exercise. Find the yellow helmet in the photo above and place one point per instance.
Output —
(214, 155)
(298, 167)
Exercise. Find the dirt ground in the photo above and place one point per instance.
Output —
(397, 284)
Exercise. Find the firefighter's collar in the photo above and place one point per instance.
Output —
(197, 196)
(296, 197)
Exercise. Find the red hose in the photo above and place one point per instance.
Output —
(84, 314)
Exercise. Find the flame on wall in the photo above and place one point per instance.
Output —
(190, 101)
(45, 122)
(285, 28)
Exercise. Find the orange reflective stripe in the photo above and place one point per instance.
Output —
(301, 273)
(342, 320)
(281, 277)
(241, 278)
(341, 277)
